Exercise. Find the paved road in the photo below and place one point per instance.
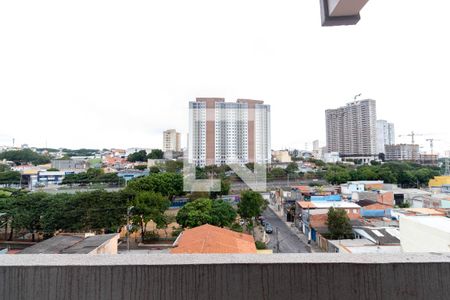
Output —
(289, 242)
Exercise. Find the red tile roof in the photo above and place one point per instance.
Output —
(306, 204)
(212, 239)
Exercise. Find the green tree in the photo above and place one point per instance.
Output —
(173, 166)
(292, 168)
(338, 223)
(141, 167)
(195, 213)
(225, 187)
(337, 176)
(4, 168)
(10, 177)
(156, 154)
(24, 156)
(149, 206)
(277, 173)
(206, 211)
(167, 184)
(27, 211)
(154, 170)
(252, 204)
(222, 214)
(138, 156)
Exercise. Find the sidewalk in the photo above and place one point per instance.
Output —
(314, 248)
(260, 235)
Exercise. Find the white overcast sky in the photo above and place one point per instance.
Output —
(117, 73)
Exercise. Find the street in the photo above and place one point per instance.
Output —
(288, 241)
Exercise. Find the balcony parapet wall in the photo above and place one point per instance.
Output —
(284, 276)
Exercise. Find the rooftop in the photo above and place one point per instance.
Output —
(212, 239)
(439, 223)
(380, 235)
(328, 204)
(69, 244)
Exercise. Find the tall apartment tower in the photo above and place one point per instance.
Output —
(351, 129)
(228, 133)
(385, 135)
(171, 140)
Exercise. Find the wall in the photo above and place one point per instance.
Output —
(418, 237)
(306, 276)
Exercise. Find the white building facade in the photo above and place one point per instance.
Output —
(171, 140)
(229, 133)
(385, 135)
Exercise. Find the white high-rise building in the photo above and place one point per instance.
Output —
(351, 129)
(171, 140)
(229, 133)
(385, 135)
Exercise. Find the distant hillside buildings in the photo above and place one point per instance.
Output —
(228, 133)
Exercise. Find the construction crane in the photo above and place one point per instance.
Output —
(432, 143)
(412, 135)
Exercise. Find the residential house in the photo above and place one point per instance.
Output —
(76, 244)
(208, 239)
(311, 217)
(361, 186)
(361, 246)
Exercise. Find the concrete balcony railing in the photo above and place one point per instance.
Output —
(290, 276)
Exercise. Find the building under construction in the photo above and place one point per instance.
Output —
(409, 152)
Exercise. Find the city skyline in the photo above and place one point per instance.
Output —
(128, 81)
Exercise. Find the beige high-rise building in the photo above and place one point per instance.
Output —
(171, 140)
(229, 133)
(352, 129)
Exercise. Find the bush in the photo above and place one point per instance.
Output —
(236, 227)
(176, 231)
(151, 236)
(260, 245)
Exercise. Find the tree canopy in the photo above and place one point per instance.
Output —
(252, 204)
(206, 211)
(338, 223)
(93, 176)
(9, 177)
(405, 174)
(25, 156)
(167, 184)
(149, 206)
(156, 154)
(138, 156)
(42, 213)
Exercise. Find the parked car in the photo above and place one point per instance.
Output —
(268, 228)
(262, 220)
